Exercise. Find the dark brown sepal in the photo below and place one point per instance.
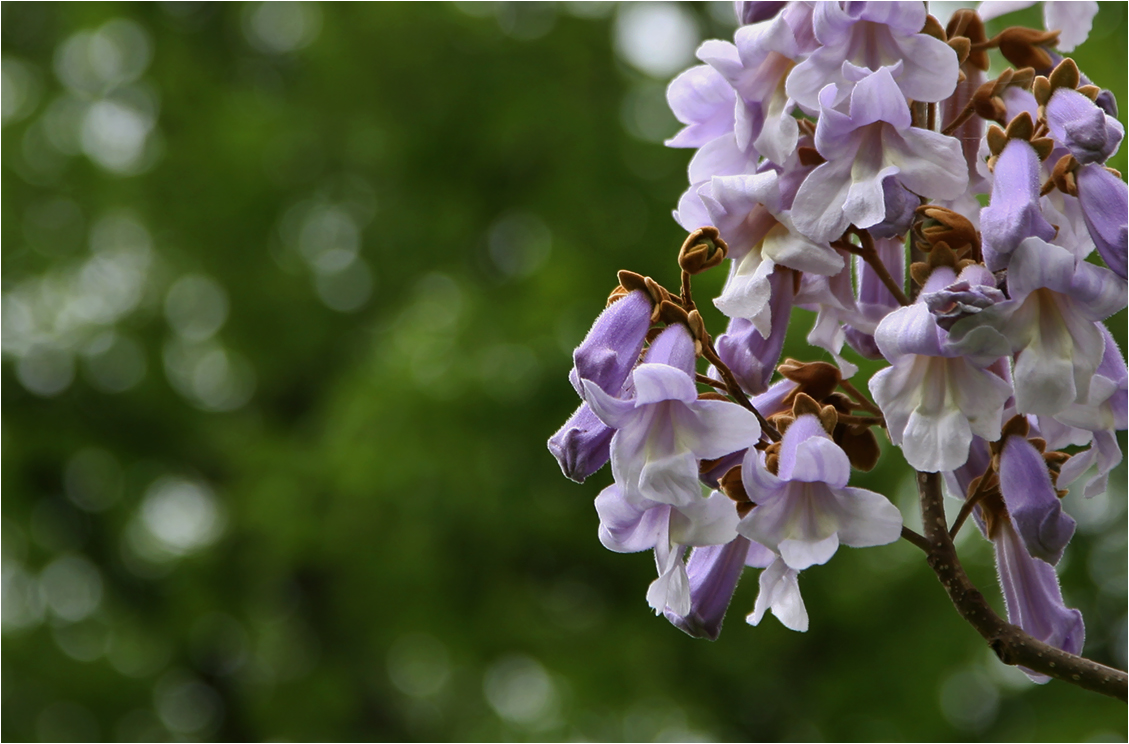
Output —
(944, 225)
(711, 395)
(934, 28)
(703, 249)
(1024, 47)
(967, 23)
(732, 486)
(860, 444)
(963, 48)
(1065, 75)
(816, 379)
(997, 140)
(1063, 175)
(809, 156)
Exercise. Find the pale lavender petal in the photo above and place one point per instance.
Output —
(615, 412)
(581, 446)
(805, 553)
(1085, 130)
(612, 346)
(673, 347)
(1073, 19)
(866, 518)
(702, 100)
(1033, 598)
(713, 572)
(751, 11)
(709, 521)
(817, 211)
(655, 383)
(1105, 205)
(929, 163)
(900, 208)
(990, 9)
(1013, 213)
(780, 592)
(718, 428)
(670, 480)
(628, 527)
(807, 454)
(1032, 502)
(748, 354)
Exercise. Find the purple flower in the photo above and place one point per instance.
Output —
(863, 148)
(1105, 207)
(863, 37)
(1013, 214)
(1049, 324)
(749, 355)
(605, 356)
(875, 300)
(632, 525)
(1032, 595)
(713, 572)
(1075, 121)
(754, 12)
(665, 430)
(702, 100)
(938, 393)
(805, 509)
(1031, 500)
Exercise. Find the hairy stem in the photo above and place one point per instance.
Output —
(1011, 644)
(870, 255)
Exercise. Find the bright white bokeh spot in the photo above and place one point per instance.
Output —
(346, 290)
(196, 307)
(656, 38)
(419, 665)
(96, 62)
(182, 516)
(115, 134)
(520, 691)
(519, 244)
(71, 587)
(282, 27)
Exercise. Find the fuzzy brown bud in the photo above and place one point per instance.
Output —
(703, 249)
(1025, 47)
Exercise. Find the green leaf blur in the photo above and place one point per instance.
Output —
(276, 468)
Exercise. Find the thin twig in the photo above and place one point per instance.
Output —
(706, 380)
(1011, 644)
(870, 255)
(916, 539)
(734, 388)
(687, 296)
(964, 115)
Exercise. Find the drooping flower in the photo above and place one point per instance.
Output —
(665, 430)
(874, 140)
(805, 509)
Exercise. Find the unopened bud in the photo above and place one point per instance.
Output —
(703, 249)
(966, 23)
(945, 225)
(1024, 47)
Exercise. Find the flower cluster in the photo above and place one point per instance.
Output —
(843, 152)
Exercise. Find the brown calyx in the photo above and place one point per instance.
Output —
(1025, 47)
(966, 24)
(940, 225)
(815, 379)
(703, 249)
(732, 486)
(940, 255)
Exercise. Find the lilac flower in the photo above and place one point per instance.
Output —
(1049, 323)
(756, 65)
(1013, 214)
(1105, 205)
(663, 433)
(863, 37)
(1090, 134)
(780, 592)
(1031, 500)
(937, 394)
(1032, 595)
(713, 572)
(749, 213)
(1073, 19)
(702, 100)
(805, 510)
(629, 526)
(754, 12)
(832, 298)
(749, 355)
(605, 356)
(872, 142)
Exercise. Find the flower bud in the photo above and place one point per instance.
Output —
(1024, 47)
(703, 249)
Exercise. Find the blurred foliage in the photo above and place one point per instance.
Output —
(289, 296)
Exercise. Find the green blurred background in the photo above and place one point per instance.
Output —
(289, 293)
